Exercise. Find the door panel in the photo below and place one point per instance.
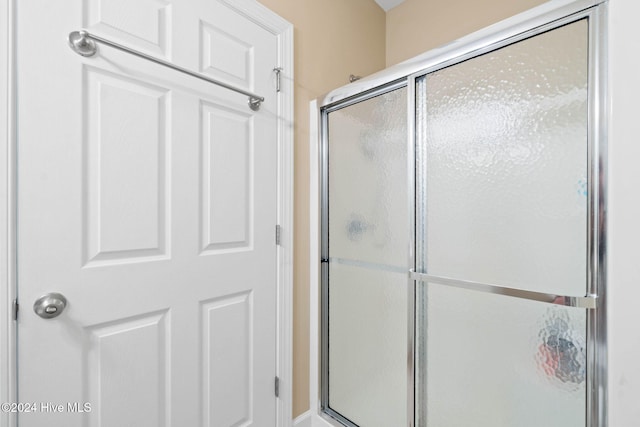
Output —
(225, 57)
(505, 361)
(147, 198)
(367, 255)
(505, 139)
(367, 180)
(227, 325)
(503, 175)
(144, 25)
(127, 135)
(113, 376)
(368, 345)
(227, 187)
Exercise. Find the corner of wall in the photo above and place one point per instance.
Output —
(303, 420)
(623, 213)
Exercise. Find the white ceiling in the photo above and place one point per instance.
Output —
(388, 4)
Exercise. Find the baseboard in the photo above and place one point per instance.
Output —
(303, 420)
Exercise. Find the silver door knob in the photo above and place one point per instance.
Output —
(50, 305)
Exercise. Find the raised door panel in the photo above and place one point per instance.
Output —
(142, 24)
(227, 360)
(226, 179)
(226, 56)
(127, 371)
(125, 172)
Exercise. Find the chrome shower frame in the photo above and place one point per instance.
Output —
(529, 24)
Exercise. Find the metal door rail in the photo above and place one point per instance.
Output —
(589, 301)
(84, 43)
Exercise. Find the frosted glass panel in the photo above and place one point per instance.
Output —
(504, 139)
(368, 345)
(503, 362)
(368, 180)
(368, 256)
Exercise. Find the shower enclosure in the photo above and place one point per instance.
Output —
(462, 253)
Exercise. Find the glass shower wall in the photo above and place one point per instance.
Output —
(506, 165)
(502, 217)
(499, 361)
(367, 256)
(503, 200)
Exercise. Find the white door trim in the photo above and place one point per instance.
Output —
(283, 31)
(7, 210)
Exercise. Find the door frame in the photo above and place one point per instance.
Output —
(8, 290)
(464, 48)
(260, 15)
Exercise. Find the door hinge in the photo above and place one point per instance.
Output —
(16, 307)
(278, 234)
(277, 387)
(277, 70)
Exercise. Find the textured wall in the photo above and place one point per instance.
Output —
(333, 38)
(417, 26)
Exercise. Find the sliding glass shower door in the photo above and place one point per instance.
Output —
(463, 240)
(365, 261)
(503, 142)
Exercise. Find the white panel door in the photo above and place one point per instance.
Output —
(148, 199)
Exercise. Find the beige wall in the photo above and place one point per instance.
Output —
(333, 38)
(417, 26)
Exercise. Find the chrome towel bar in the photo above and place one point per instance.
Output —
(84, 43)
